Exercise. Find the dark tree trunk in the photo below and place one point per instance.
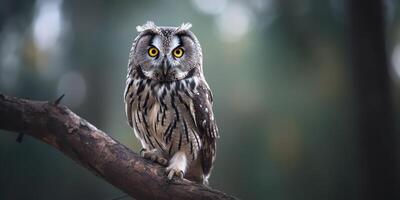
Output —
(373, 100)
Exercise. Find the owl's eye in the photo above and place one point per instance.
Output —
(178, 52)
(153, 52)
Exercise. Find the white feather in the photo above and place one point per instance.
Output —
(185, 26)
(174, 42)
(178, 162)
(146, 26)
(157, 42)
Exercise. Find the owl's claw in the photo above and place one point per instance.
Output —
(174, 172)
(177, 165)
(142, 151)
(161, 161)
(154, 156)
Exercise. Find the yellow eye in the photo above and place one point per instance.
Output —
(178, 52)
(153, 52)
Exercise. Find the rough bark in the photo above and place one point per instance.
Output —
(92, 148)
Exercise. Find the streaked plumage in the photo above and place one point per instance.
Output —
(168, 101)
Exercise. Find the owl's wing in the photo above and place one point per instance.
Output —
(204, 118)
(129, 98)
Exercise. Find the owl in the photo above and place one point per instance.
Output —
(168, 102)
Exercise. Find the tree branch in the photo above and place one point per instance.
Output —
(92, 148)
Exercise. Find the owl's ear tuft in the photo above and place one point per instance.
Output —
(184, 27)
(149, 25)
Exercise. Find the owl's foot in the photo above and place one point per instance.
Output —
(171, 172)
(177, 165)
(154, 155)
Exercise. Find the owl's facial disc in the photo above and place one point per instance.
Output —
(166, 55)
(163, 58)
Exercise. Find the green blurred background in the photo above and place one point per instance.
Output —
(278, 71)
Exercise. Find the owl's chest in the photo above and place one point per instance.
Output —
(156, 115)
(162, 113)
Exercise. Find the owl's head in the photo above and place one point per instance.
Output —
(165, 53)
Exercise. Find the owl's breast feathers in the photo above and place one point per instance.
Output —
(173, 115)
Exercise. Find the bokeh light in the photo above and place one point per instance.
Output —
(211, 7)
(396, 60)
(234, 23)
(47, 24)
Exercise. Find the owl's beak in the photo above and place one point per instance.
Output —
(166, 66)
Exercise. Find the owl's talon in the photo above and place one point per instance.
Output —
(142, 152)
(170, 174)
(174, 172)
(180, 174)
(177, 165)
(162, 161)
(154, 156)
